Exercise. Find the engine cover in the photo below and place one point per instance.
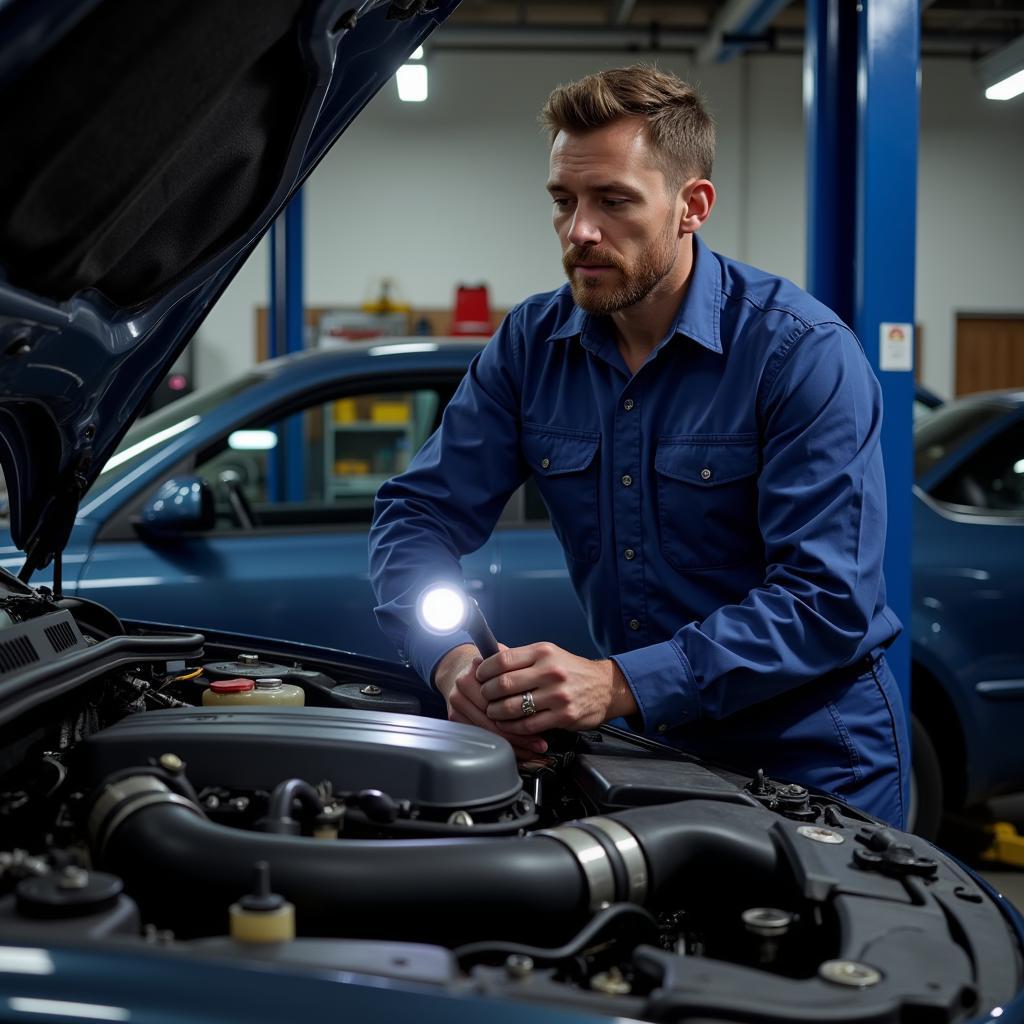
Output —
(429, 762)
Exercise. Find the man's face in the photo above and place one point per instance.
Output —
(615, 218)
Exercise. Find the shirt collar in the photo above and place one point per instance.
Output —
(697, 318)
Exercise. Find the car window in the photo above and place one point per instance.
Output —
(142, 440)
(992, 479)
(323, 464)
(947, 428)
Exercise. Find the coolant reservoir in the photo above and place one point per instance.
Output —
(276, 691)
(246, 691)
(229, 691)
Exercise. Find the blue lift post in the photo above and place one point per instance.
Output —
(861, 63)
(287, 468)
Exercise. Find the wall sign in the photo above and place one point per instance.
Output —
(896, 347)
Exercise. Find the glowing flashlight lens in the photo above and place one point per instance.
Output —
(443, 609)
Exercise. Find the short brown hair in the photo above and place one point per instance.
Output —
(679, 128)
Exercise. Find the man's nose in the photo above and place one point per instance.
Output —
(584, 229)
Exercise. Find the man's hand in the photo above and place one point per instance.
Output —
(456, 680)
(569, 692)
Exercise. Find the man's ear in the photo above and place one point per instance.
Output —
(698, 200)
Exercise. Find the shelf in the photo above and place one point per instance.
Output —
(369, 428)
(361, 482)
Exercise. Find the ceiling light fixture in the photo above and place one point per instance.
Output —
(1002, 72)
(412, 83)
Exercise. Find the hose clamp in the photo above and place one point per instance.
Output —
(593, 861)
(120, 800)
(630, 852)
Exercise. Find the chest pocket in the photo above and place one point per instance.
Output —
(707, 503)
(565, 466)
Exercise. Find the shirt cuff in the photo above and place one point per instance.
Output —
(427, 649)
(663, 687)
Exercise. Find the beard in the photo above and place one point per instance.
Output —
(635, 281)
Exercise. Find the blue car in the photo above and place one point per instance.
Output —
(222, 825)
(192, 521)
(967, 641)
(193, 511)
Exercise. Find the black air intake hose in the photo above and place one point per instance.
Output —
(185, 871)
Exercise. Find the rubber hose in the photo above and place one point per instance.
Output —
(185, 871)
(279, 810)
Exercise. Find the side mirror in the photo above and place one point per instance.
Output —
(182, 504)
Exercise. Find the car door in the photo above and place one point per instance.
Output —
(969, 596)
(287, 556)
(536, 600)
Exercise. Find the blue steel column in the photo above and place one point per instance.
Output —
(830, 109)
(287, 468)
(887, 100)
(861, 98)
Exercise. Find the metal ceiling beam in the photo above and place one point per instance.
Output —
(622, 11)
(499, 38)
(565, 37)
(746, 18)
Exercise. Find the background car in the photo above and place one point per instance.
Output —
(209, 515)
(967, 641)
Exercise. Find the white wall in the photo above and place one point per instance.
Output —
(452, 190)
(970, 227)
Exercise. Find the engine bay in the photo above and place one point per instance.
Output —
(360, 831)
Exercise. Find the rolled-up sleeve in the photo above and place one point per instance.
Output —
(821, 513)
(446, 504)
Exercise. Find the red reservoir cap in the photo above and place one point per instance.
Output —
(232, 686)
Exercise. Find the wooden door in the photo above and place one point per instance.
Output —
(989, 353)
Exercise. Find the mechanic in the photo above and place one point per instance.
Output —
(706, 438)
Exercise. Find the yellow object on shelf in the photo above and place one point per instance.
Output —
(386, 299)
(345, 410)
(351, 467)
(389, 412)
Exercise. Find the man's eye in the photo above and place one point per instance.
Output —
(561, 201)
(615, 203)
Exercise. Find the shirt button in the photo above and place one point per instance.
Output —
(634, 623)
(705, 474)
(662, 727)
(630, 554)
(627, 404)
(544, 463)
(627, 480)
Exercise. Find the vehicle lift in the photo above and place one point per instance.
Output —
(1006, 845)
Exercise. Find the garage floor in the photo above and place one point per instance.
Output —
(1008, 880)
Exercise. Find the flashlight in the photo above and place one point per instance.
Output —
(444, 608)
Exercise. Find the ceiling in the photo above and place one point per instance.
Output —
(708, 30)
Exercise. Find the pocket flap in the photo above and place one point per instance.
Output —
(706, 464)
(549, 454)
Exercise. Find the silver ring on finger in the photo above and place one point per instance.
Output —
(529, 707)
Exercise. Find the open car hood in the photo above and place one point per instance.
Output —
(147, 150)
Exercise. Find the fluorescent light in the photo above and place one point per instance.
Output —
(416, 54)
(1018, 466)
(252, 440)
(150, 442)
(22, 960)
(412, 83)
(1007, 88)
(1002, 72)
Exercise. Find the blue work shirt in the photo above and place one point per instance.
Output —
(722, 512)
